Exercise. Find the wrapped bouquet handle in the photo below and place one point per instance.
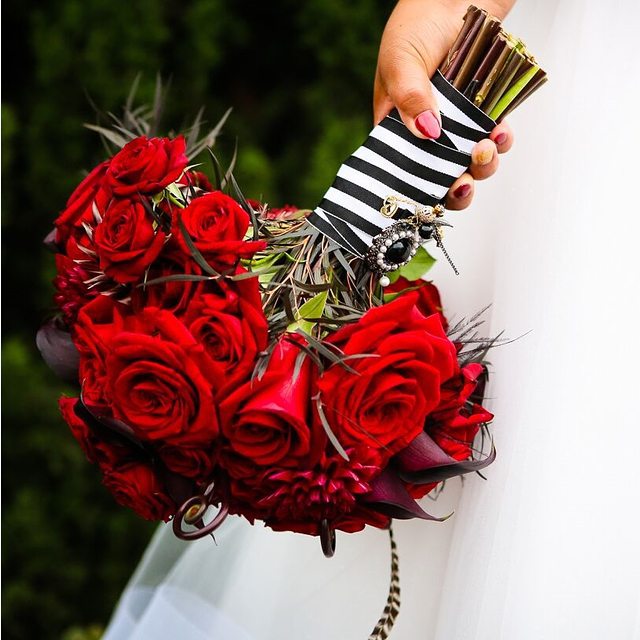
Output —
(394, 163)
(413, 173)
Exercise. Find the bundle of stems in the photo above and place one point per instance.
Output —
(490, 66)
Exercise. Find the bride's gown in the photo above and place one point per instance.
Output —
(549, 546)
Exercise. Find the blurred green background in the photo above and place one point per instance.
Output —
(299, 77)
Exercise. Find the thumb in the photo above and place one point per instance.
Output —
(409, 88)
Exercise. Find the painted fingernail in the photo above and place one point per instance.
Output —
(428, 125)
(501, 138)
(462, 191)
(485, 157)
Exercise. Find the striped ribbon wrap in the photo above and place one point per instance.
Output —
(394, 162)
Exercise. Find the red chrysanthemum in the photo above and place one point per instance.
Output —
(300, 499)
(73, 288)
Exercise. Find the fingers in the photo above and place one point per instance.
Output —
(407, 86)
(484, 160)
(502, 136)
(382, 104)
(461, 193)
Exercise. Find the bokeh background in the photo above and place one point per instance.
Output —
(299, 77)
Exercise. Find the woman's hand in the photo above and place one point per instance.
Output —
(414, 43)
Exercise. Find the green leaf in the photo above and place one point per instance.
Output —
(111, 136)
(312, 308)
(174, 190)
(416, 268)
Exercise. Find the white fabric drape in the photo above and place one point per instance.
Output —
(547, 548)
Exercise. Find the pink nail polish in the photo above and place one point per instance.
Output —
(428, 125)
(501, 138)
(462, 191)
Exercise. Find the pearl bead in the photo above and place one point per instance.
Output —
(384, 281)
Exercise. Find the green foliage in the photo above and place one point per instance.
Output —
(299, 78)
(419, 266)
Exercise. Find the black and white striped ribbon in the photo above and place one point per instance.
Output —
(394, 162)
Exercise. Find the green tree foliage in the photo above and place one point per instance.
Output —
(299, 78)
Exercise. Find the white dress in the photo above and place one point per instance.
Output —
(549, 546)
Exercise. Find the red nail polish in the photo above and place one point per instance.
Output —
(501, 138)
(428, 125)
(462, 191)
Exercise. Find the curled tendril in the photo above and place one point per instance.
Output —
(327, 538)
(192, 513)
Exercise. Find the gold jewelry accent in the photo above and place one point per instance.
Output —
(390, 206)
(422, 213)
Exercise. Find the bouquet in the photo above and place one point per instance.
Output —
(286, 365)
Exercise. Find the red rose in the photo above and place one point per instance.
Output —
(146, 166)
(160, 381)
(456, 421)
(190, 462)
(106, 454)
(428, 296)
(231, 326)
(170, 295)
(92, 332)
(138, 487)
(385, 403)
(80, 203)
(127, 241)
(196, 179)
(266, 422)
(217, 225)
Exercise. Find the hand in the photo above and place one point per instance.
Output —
(414, 43)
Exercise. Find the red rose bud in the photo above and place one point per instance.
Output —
(146, 166)
(217, 225)
(197, 180)
(287, 212)
(127, 241)
(384, 404)
(267, 421)
(80, 204)
(138, 487)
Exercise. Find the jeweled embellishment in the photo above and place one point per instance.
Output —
(397, 244)
(393, 248)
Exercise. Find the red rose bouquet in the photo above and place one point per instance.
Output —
(285, 365)
(229, 355)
